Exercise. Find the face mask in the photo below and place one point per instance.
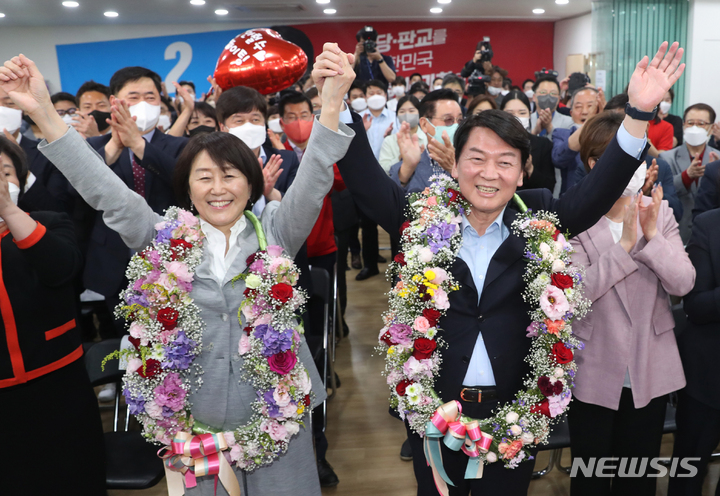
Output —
(147, 115)
(100, 119)
(274, 126)
(665, 107)
(411, 119)
(494, 91)
(547, 101)
(529, 93)
(525, 121)
(164, 121)
(298, 131)
(399, 91)
(10, 119)
(450, 132)
(695, 136)
(14, 190)
(376, 102)
(67, 119)
(637, 181)
(201, 130)
(359, 104)
(437, 87)
(251, 134)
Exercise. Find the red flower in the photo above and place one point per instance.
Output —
(542, 408)
(135, 342)
(387, 339)
(432, 316)
(423, 348)
(400, 258)
(248, 330)
(562, 353)
(402, 386)
(404, 226)
(168, 318)
(253, 257)
(249, 293)
(556, 233)
(283, 362)
(177, 245)
(281, 292)
(306, 400)
(453, 195)
(150, 369)
(562, 281)
(547, 388)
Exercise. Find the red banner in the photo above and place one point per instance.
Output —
(435, 48)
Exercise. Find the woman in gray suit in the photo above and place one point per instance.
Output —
(218, 176)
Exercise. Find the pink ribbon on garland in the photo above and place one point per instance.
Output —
(189, 457)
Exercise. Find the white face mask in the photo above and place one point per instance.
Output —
(251, 134)
(147, 115)
(665, 107)
(359, 104)
(164, 121)
(14, 190)
(10, 119)
(376, 102)
(529, 94)
(437, 87)
(525, 121)
(695, 136)
(67, 119)
(398, 91)
(494, 91)
(274, 126)
(637, 181)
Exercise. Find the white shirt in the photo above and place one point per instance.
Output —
(220, 261)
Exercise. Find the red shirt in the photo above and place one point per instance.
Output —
(661, 135)
(321, 240)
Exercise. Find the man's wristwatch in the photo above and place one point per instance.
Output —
(638, 114)
(382, 60)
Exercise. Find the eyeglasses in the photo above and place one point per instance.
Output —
(449, 120)
(697, 123)
(70, 111)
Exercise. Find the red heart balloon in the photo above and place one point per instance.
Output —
(260, 59)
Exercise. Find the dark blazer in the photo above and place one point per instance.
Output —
(502, 315)
(38, 334)
(49, 181)
(108, 255)
(707, 195)
(289, 166)
(543, 175)
(700, 341)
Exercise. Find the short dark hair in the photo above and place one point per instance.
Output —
(272, 110)
(452, 78)
(290, 99)
(408, 98)
(18, 158)
(419, 85)
(596, 135)
(207, 110)
(240, 99)
(528, 81)
(515, 95)
(227, 151)
(617, 102)
(546, 78)
(366, 33)
(701, 106)
(91, 85)
(62, 96)
(506, 126)
(399, 80)
(377, 84)
(187, 83)
(478, 100)
(312, 92)
(415, 74)
(427, 105)
(131, 74)
(357, 85)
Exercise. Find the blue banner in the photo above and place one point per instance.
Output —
(189, 57)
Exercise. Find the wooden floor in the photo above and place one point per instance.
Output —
(364, 439)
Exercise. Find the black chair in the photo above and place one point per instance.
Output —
(558, 439)
(132, 462)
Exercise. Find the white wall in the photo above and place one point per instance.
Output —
(703, 69)
(38, 43)
(572, 36)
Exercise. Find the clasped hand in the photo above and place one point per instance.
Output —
(646, 214)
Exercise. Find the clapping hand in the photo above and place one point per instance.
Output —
(650, 177)
(410, 149)
(629, 232)
(123, 123)
(367, 121)
(85, 125)
(271, 173)
(696, 169)
(188, 103)
(442, 153)
(653, 78)
(648, 214)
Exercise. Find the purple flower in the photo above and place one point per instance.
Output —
(273, 408)
(136, 405)
(170, 394)
(438, 236)
(167, 412)
(165, 234)
(180, 353)
(274, 341)
(138, 298)
(400, 334)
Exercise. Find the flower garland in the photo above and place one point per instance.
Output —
(431, 240)
(166, 331)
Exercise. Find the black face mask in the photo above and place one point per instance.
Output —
(100, 119)
(201, 130)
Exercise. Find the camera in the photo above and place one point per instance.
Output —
(370, 46)
(368, 36)
(486, 49)
(476, 83)
(545, 73)
(577, 80)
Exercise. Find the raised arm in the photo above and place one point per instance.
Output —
(123, 210)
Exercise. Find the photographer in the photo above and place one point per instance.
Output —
(480, 62)
(369, 63)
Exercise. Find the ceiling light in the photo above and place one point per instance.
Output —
(538, 11)
(322, 1)
(70, 4)
(110, 13)
(435, 10)
(329, 11)
(444, 1)
(221, 12)
(562, 2)
(2, 15)
(197, 2)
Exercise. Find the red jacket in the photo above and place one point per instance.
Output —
(661, 135)
(321, 240)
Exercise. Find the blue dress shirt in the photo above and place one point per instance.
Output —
(376, 133)
(477, 251)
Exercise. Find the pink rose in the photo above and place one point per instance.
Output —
(304, 383)
(153, 409)
(418, 369)
(137, 330)
(133, 365)
(179, 270)
(282, 363)
(289, 410)
(244, 344)
(281, 396)
(187, 218)
(432, 201)
(441, 299)
(554, 303)
(274, 250)
(276, 431)
(236, 453)
(263, 319)
(440, 275)
(229, 438)
(421, 324)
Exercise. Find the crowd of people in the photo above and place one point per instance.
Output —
(322, 164)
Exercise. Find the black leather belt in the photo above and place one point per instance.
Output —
(478, 394)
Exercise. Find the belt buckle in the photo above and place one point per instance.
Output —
(479, 395)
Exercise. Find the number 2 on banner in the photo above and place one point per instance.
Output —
(171, 52)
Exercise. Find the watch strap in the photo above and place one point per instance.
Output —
(638, 114)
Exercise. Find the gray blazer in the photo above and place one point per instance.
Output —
(679, 160)
(224, 399)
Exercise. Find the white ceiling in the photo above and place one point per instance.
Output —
(90, 12)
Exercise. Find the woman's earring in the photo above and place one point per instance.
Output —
(192, 206)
